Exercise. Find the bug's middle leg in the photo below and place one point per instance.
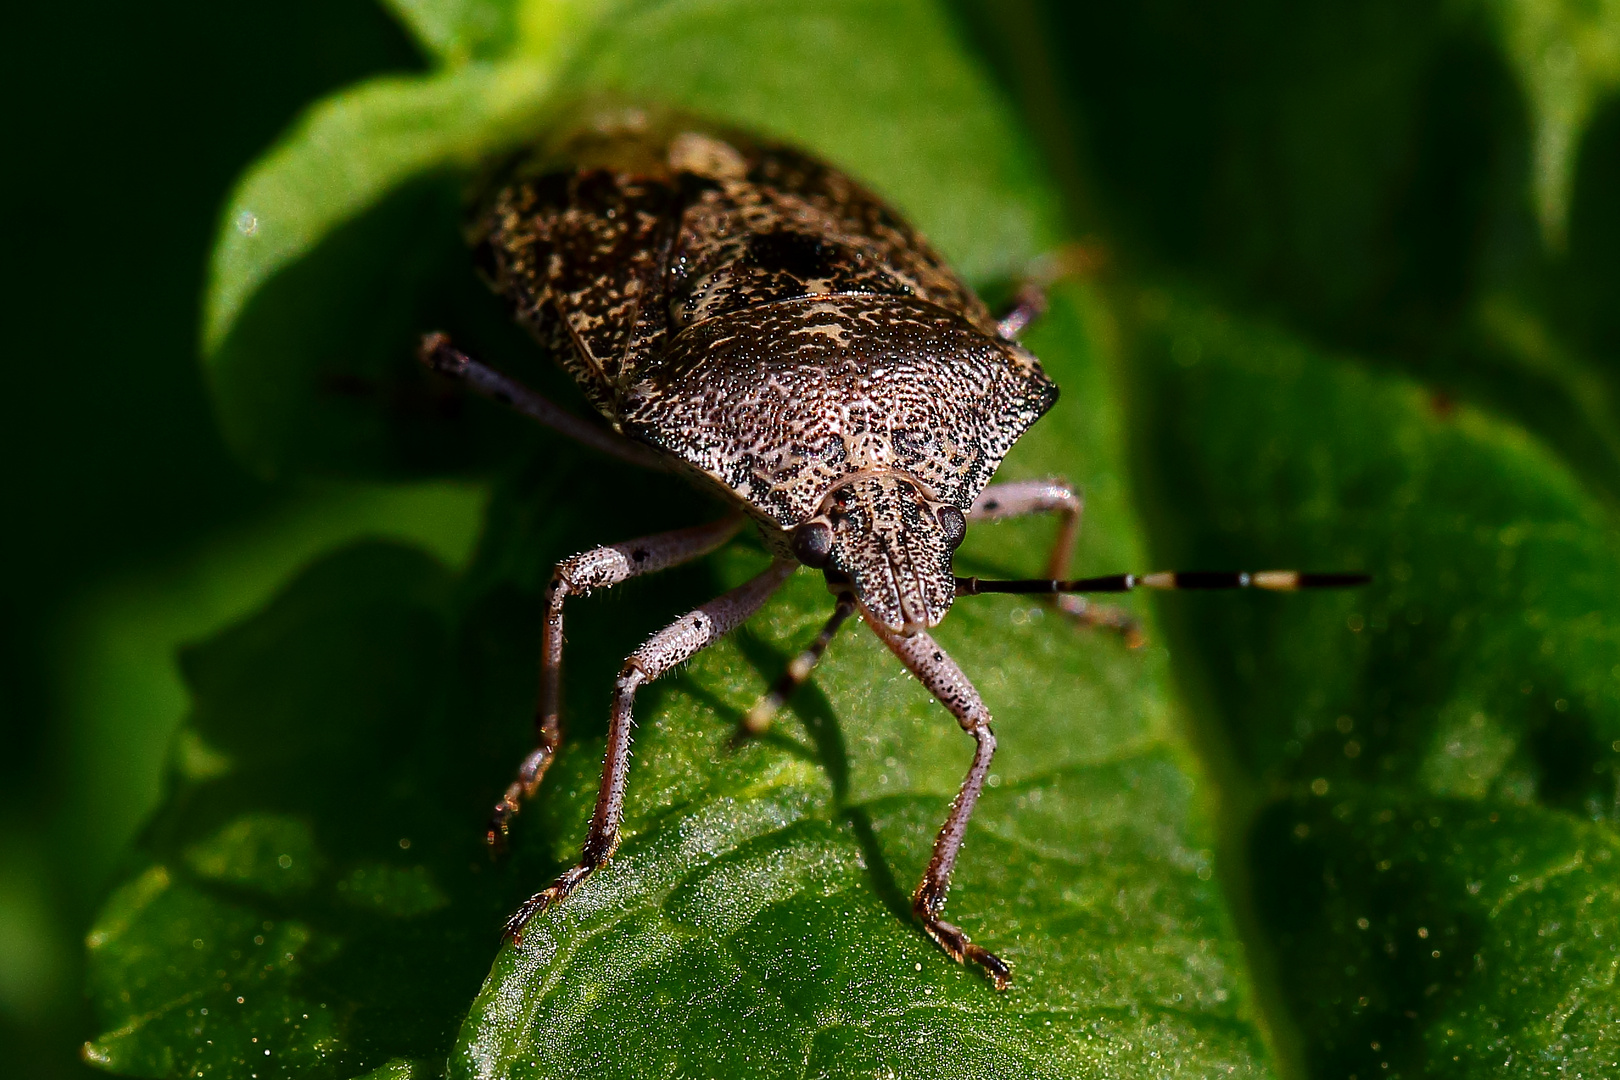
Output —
(934, 668)
(599, 568)
(1020, 498)
(673, 645)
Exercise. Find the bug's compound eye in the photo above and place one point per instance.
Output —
(812, 543)
(953, 524)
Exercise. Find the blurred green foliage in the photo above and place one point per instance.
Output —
(1362, 308)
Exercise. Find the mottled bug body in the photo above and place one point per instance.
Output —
(777, 333)
(745, 315)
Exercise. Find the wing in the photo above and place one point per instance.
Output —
(580, 254)
(635, 225)
(780, 225)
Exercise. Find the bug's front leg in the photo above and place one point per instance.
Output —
(675, 644)
(1020, 498)
(599, 568)
(936, 670)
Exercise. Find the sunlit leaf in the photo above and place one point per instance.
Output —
(350, 150)
(455, 30)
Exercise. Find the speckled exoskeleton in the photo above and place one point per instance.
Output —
(750, 318)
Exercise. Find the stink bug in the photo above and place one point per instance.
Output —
(753, 320)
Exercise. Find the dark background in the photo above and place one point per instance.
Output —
(127, 126)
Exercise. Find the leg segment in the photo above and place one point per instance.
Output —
(1019, 498)
(758, 720)
(437, 353)
(675, 644)
(936, 670)
(1029, 303)
(598, 568)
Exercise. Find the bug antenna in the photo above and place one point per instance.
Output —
(1271, 580)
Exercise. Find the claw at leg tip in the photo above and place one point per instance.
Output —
(999, 970)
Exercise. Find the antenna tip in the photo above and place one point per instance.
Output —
(1290, 580)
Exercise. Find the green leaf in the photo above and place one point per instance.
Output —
(1350, 164)
(1424, 772)
(1567, 56)
(1401, 813)
(350, 150)
(290, 917)
(1364, 172)
(756, 918)
(116, 647)
(318, 376)
(1524, 367)
(457, 30)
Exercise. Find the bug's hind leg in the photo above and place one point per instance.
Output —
(438, 354)
(1029, 302)
(1020, 498)
(936, 670)
(758, 719)
(599, 568)
(675, 644)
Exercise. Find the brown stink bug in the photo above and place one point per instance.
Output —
(754, 320)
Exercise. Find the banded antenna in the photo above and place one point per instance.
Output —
(1272, 580)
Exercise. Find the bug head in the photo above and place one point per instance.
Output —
(893, 541)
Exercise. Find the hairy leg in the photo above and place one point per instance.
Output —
(1020, 498)
(936, 670)
(599, 568)
(675, 644)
